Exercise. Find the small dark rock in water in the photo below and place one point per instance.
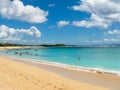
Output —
(26, 53)
(78, 58)
(20, 54)
(16, 52)
(36, 54)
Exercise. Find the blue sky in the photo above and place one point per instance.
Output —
(80, 22)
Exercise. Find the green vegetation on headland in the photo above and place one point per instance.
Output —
(62, 45)
(8, 44)
(44, 45)
(54, 45)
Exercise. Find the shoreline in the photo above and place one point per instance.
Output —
(16, 75)
(65, 66)
(60, 65)
(69, 67)
(98, 79)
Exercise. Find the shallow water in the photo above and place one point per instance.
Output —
(95, 58)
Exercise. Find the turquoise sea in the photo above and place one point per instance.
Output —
(107, 59)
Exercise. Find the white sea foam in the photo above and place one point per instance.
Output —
(70, 67)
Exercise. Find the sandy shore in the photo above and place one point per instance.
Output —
(24, 75)
(18, 47)
(19, 76)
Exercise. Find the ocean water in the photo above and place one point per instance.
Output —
(94, 58)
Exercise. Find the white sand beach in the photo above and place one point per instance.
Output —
(15, 75)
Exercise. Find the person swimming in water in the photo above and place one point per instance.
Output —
(78, 58)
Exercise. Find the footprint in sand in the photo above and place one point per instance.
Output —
(63, 85)
(4, 64)
(55, 87)
(35, 83)
(38, 80)
(20, 74)
(32, 75)
(26, 78)
(60, 88)
(49, 83)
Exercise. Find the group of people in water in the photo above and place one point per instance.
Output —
(17, 52)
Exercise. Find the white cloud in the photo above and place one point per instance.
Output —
(87, 41)
(105, 33)
(103, 13)
(107, 40)
(110, 40)
(114, 32)
(97, 41)
(62, 23)
(12, 34)
(17, 10)
(51, 5)
(95, 21)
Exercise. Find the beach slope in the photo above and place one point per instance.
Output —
(19, 76)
